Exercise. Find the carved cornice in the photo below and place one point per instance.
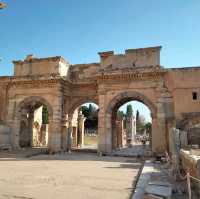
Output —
(133, 76)
(35, 83)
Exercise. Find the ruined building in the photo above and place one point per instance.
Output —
(172, 96)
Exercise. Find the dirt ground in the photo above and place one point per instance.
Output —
(71, 176)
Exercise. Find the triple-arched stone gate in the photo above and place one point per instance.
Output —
(61, 88)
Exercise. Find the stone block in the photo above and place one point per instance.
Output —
(150, 196)
(163, 191)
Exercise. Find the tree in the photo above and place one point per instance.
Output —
(45, 115)
(120, 115)
(85, 111)
(91, 110)
(148, 127)
(137, 115)
(140, 123)
(91, 115)
(129, 110)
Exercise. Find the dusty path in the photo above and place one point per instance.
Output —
(74, 176)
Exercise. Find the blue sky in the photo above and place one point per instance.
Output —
(142, 108)
(78, 29)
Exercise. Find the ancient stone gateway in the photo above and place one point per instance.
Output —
(61, 88)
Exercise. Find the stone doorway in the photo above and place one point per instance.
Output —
(131, 129)
(85, 127)
(34, 117)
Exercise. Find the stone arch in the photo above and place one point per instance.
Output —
(124, 97)
(79, 102)
(77, 121)
(34, 99)
(112, 107)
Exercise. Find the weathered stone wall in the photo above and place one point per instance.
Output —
(81, 73)
(194, 136)
(141, 57)
(182, 83)
(5, 135)
(3, 98)
(41, 66)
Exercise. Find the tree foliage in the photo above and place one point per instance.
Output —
(45, 115)
(85, 111)
(129, 110)
(91, 114)
(120, 115)
(148, 127)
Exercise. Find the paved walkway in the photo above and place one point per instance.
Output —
(71, 176)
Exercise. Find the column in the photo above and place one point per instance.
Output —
(120, 131)
(81, 129)
(55, 130)
(64, 132)
(69, 136)
(130, 130)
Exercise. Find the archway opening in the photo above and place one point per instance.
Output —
(85, 126)
(131, 127)
(34, 125)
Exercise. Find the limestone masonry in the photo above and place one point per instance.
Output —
(172, 95)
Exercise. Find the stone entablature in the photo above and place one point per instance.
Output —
(131, 75)
(135, 75)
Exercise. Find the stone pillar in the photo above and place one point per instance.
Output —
(15, 131)
(101, 132)
(120, 131)
(55, 136)
(55, 130)
(130, 130)
(159, 130)
(13, 120)
(105, 133)
(30, 128)
(74, 135)
(69, 136)
(160, 127)
(171, 123)
(81, 129)
(64, 132)
(104, 127)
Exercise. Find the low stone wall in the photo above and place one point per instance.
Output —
(191, 163)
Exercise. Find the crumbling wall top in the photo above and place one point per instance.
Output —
(132, 58)
(31, 66)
